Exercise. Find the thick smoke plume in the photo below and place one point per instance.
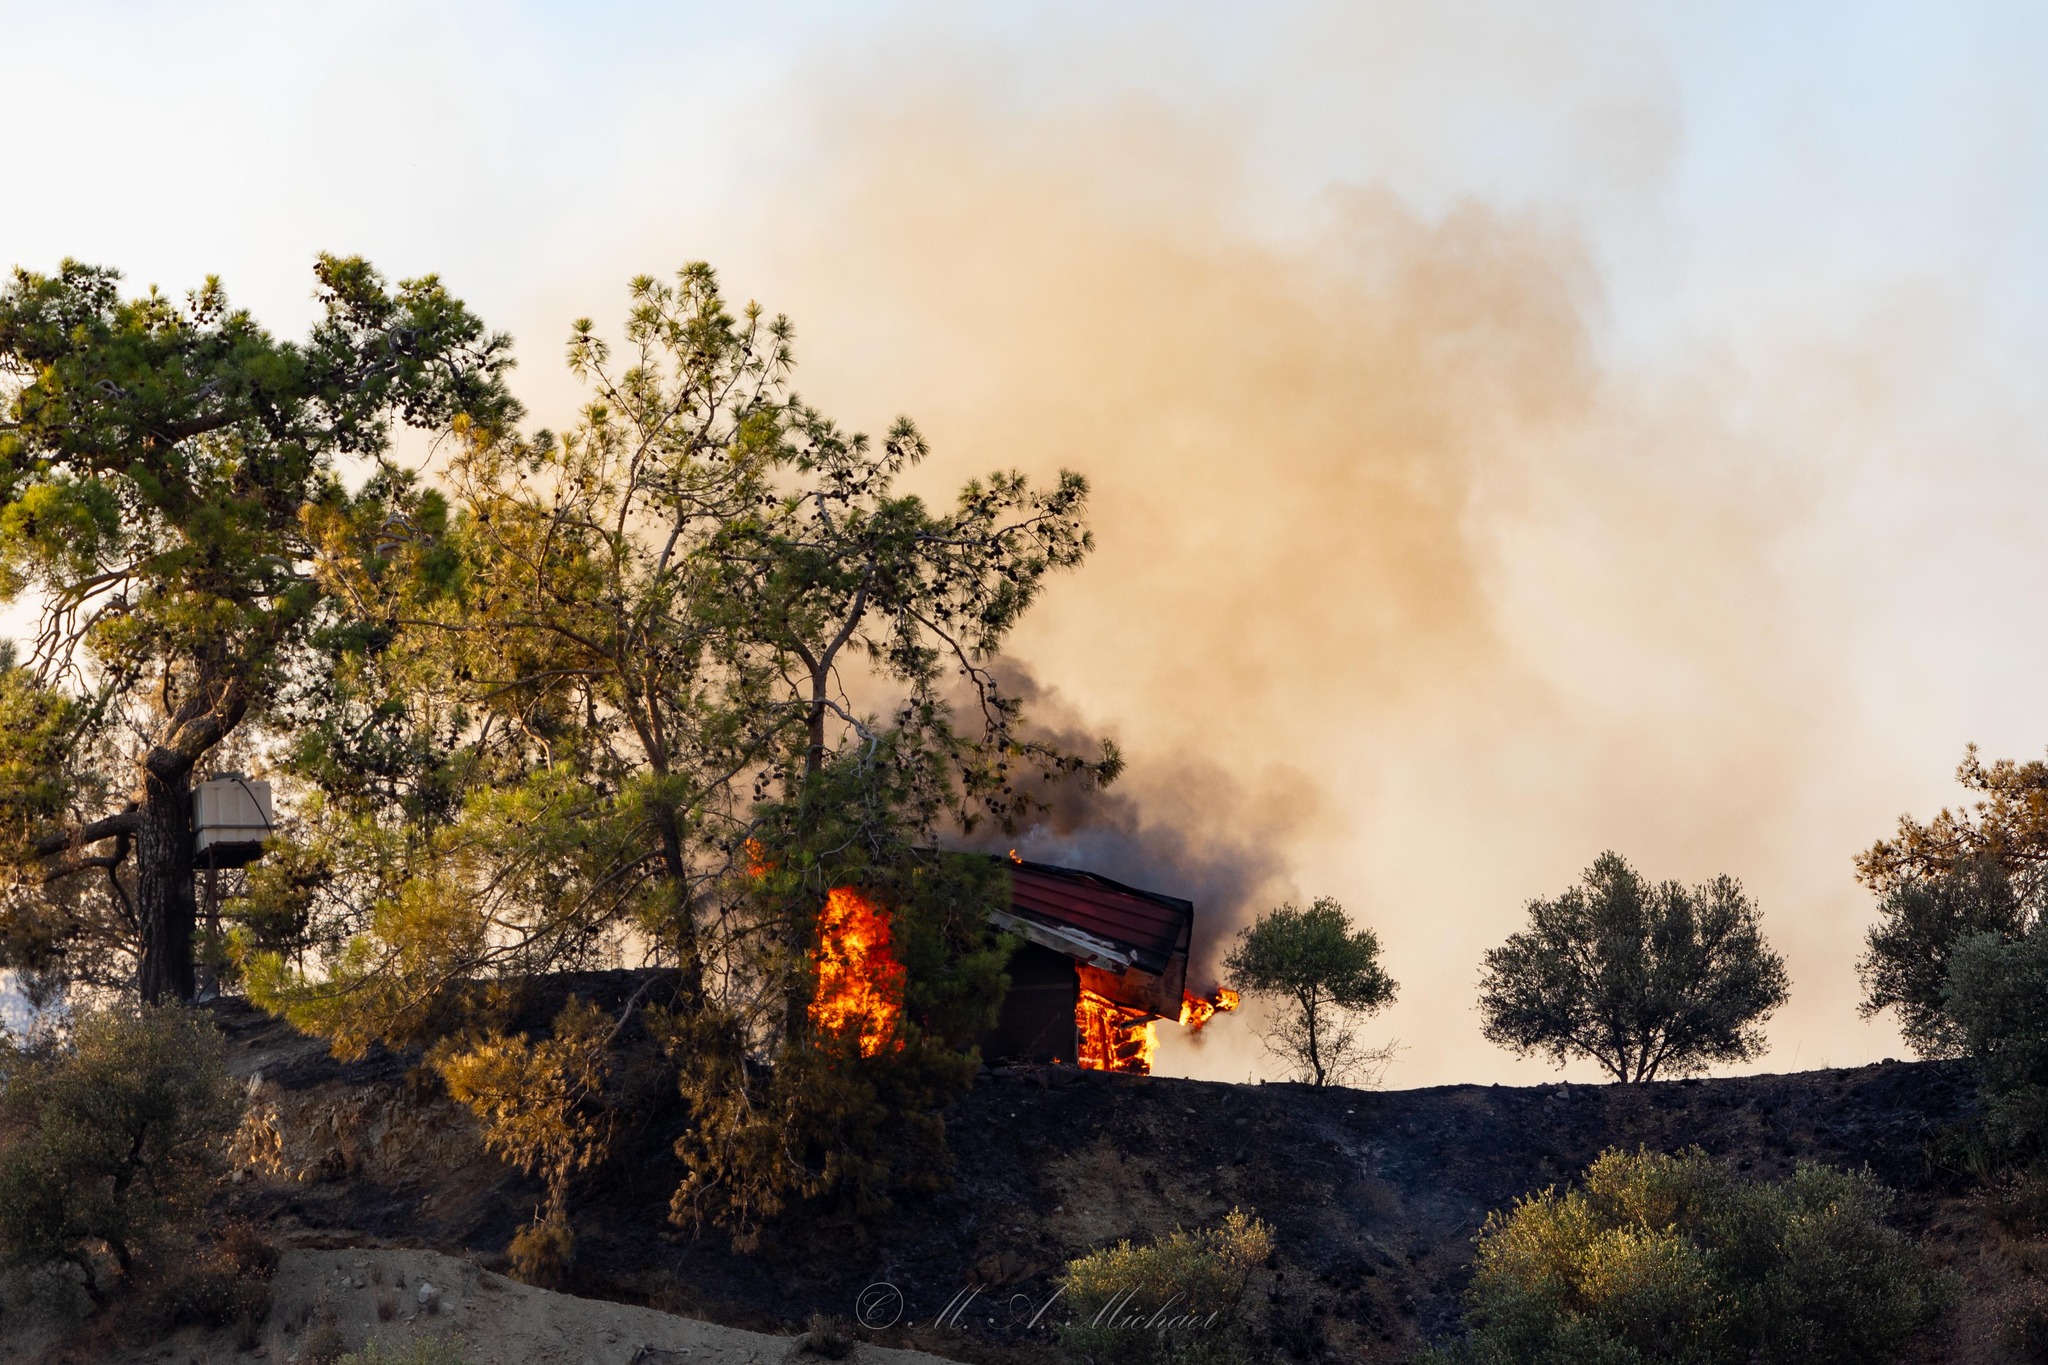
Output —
(1384, 508)
(1298, 452)
(1182, 825)
(1512, 466)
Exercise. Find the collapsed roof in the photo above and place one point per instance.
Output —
(1137, 939)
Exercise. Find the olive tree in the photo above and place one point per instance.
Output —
(1681, 1259)
(1997, 997)
(1909, 952)
(1959, 950)
(1325, 975)
(110, 1134)
(1643, 978)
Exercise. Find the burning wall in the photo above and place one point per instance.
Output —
(1124, 952)
(1101, 965)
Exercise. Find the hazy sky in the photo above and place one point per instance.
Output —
(1518, 431)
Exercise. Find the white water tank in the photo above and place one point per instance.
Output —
(230, 820)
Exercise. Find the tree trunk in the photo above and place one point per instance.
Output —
(796, 1003)
(164, 899)
(690, 966)
(1312, 1019)
(814, 753)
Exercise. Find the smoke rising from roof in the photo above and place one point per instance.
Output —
(1526, 430)
(1404, 594)
(1181, 825)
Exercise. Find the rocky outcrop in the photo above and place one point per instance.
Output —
(335, 1131)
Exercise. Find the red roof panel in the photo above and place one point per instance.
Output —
(1153, 926)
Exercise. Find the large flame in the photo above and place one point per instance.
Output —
(860, 984)
(1113, 1037)
(1118, 1037)
(1195, 1011)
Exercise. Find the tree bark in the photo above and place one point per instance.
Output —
(690, 967)
(796, 1003)
(164, 895)
(814, 753)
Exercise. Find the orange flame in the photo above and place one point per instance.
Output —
(1113, 1037)
(860, 984)
(1195, 1011)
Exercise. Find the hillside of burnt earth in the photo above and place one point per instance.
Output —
(1374, 1196)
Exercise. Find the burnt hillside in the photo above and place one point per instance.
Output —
(1374, 1195)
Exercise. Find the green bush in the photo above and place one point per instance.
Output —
(1678, 1259)
(1176, 1300)
(1998, 997)
(109, 1134)
(435, 1350)
(2014, 1195)
(225, 1284)
(1911, 949)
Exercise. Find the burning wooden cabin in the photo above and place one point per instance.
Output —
(1101, 964)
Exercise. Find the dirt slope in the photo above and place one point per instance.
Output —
(391, 1295)
(1375, 1196)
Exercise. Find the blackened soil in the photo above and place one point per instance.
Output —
(1374, 1196)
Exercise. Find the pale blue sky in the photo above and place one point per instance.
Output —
(1806, 153)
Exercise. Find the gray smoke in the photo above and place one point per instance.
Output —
(1181, 825)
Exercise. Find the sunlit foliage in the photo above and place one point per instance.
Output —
(1982, 869)
(1322, 975)
(1179, 1299)
(110, 1135)
(642, 693)
(170, 480)
(1679, 1260)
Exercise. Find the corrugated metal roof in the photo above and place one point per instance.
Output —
(1153, 926)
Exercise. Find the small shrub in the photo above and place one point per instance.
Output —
(1680, 1260)
(212, 1297)
(2023, 1327)
(224, 1283)
(541, 1105)
(1176, 1300)
(249, 1253)
(109, 1135)
(323, 1343)
(248, 1333)
(1963, 1156)
(434, 1350)
(827, 1336)
(2017, 1200)
(541, 1253)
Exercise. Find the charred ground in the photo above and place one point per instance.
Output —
(1374, 1196)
